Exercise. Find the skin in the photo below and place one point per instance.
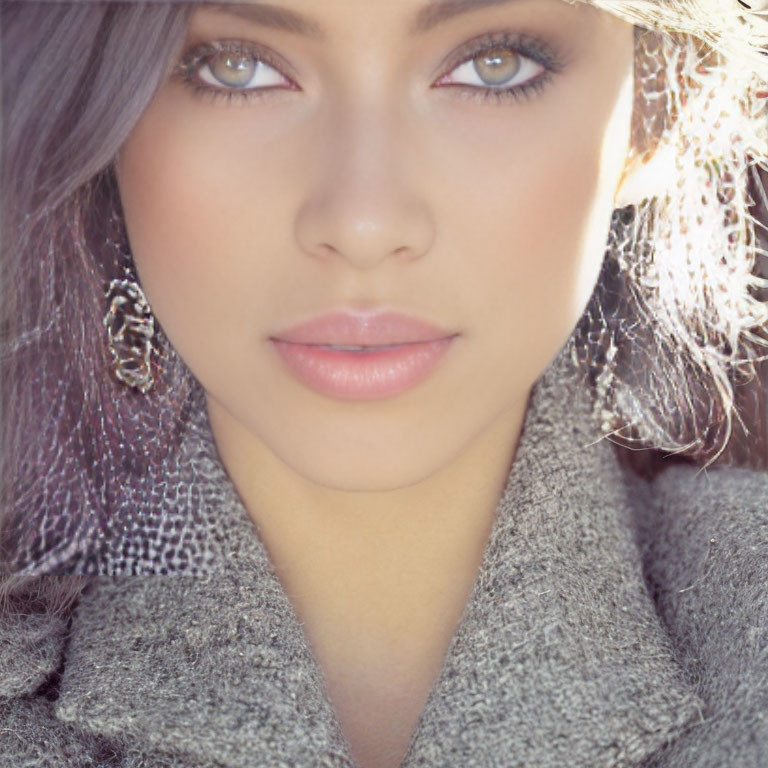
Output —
(366, 186)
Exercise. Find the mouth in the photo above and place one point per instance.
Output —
(351, 356)
(356, 331)
(364, 349)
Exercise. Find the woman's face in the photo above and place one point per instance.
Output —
(454, 162)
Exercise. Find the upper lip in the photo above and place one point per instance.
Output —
(344, 328)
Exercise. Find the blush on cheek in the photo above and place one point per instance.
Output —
(164, 199)
(557, 205)
(578, 180)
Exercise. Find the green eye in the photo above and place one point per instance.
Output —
(231, 66)
(233, 69)
(497, 65)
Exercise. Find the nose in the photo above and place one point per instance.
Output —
(363, 207)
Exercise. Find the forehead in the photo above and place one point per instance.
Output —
(422, 15)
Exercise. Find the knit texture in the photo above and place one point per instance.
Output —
(560, 657)
(707, 564)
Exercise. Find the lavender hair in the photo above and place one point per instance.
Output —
(76, 78)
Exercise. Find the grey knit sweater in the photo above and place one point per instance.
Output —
(612, 623)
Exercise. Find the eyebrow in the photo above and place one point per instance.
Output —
(438, 11)
(273, 16)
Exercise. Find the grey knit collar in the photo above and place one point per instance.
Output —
(559, 658)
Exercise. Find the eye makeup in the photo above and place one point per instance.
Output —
(198, 58)
(530, 47)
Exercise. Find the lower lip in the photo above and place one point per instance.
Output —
(373, 375)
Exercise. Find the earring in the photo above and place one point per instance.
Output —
(129, 321)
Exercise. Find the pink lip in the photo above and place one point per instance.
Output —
(399, 352)
(362, 329)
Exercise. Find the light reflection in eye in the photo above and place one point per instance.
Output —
(495, 67)
(238, 69)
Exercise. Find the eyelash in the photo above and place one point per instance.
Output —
(530, 47)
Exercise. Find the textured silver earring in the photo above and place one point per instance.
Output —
(129, 322)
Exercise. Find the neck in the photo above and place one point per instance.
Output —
(365, 558)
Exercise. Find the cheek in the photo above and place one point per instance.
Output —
(539, 242)
(196, 215)
(545, 218)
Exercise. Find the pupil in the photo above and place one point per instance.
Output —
(497, 65)
(232, 69)
(236, 63)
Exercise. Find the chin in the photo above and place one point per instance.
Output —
(350, 472)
